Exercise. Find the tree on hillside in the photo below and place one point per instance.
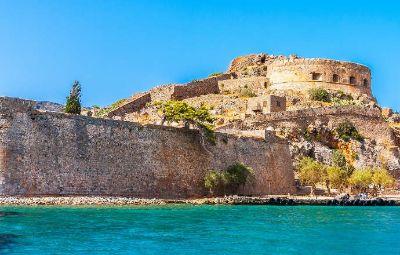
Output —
(181, 112)
(73, 104)
(311, 172)
(382, 179)
(339, 160)
(337, 177)
(361, 179)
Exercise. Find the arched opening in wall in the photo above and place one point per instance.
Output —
(365, 82)
(352, 80)
(316, 76)
(335, 78)
(265, 85)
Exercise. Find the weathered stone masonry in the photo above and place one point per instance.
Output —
(368, 122)
(58, 154)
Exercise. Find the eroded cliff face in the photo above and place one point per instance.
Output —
(44, 153)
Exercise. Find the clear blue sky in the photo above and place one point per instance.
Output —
(116, 48)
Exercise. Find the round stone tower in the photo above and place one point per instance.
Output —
(293, 73)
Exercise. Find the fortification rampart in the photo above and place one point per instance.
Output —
(368, 121)
(294, 73)
(58, 154)
(170, 92)
(133, 104)
(303, 74)
(199, 87)
(255, 84)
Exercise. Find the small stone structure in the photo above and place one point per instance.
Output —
(266, 104)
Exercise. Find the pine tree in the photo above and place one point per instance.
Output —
(73, 104)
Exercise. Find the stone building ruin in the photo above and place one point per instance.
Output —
(260, 74)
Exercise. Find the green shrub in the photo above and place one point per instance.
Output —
(361, 179)
(319, 94)
(208, 132)
(246, 92)
(347, 131)
(215, 74)
(229, 180)
(214, 181)
(73, 104)
(382, 178)
(337, 177)
(343, 96)
(104, 111)
(238, 175)
(339, 160)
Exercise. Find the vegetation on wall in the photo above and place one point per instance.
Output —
(347, 131)
(215, 74)
(73, 104)
(182, 112)
(247, 92)
(339, 160)
(319, 94)
(334, 97)
(104, 111)
(342, 98)
(228, 181)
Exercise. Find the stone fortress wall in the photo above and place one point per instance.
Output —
(260, 73)
(43, 153)
(170, 92)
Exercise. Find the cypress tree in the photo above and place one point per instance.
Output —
(73, 104)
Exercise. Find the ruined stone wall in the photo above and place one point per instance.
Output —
(134, 104)
(368, 122)
(199, 87)
(162, 92)
(255, 84)
(192, 89)
(167, 92)
(59, 154)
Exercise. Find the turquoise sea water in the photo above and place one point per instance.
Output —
(200, 230)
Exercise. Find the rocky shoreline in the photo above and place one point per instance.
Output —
(231, 200)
